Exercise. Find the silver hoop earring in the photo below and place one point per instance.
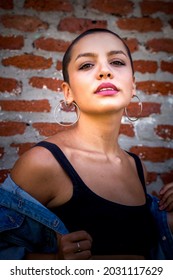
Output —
(133, 119)
(62, 110)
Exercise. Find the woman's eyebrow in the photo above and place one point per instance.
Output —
(87, 54)
(116, 52)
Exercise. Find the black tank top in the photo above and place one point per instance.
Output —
(116, 229)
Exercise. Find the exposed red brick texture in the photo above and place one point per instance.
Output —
(22, 147)
(127, 129)
(140, 24)
(50, 83)
(78, 25)
(51, 44)
(11, 128)
(148, 108)
(153, 154)
(114, 7)
(23, 23)
(28, 61)
(152, 87)
(132, 44)
(49, 5)
(3, 174)
(167, 177)
(145, 66)
(59, 65)
(160, 45)
(167, 66)
(48, 129)
(165, 131)
(151, 7)
(11, 42)
(151, 177)
(10, 85)
(6, 4)
(25, 105)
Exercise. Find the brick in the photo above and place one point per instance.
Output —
(140, 24)
(151, 177)
(3, 174)
(10, 85)
(153, 154)
(11, 42)
(114, 7)
(23, 23)
(25, 105)
(151, 7)
(48, 129)
(165, 131)
(50, 83)
(11, 128)
(167, 177)
(78, 25)
(145, 66)
(148, 108)
(132, 44)
(155, 87)
(28, 61)
(1, 152)
(6, 4)
(49, 5)
(167, 66)
(22, 147)
(160, 45)
(59, 65)
(127, 130)
(50, 44)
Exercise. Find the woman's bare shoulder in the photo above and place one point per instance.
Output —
(34, 172)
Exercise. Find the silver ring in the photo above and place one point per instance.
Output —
(78, 247)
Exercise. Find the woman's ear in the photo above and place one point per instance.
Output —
(134, 87)
(67, 92)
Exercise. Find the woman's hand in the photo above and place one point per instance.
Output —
(166, 202)
(166, 197)
(74, 246)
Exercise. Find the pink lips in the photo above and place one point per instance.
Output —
(106, 89)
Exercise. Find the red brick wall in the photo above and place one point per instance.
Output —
(33, 38)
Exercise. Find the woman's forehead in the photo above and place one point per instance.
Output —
(96, 42)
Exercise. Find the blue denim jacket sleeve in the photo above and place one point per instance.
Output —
(164, 248)
(25, 224)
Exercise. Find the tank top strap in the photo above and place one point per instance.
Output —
(68, 168)
(61, 158)
(139, 169)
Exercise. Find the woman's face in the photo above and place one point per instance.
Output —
(100, 74)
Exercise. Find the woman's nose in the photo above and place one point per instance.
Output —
(105, 73)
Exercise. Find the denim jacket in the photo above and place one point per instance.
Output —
(27, 226)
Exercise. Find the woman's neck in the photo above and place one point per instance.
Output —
(98, 133)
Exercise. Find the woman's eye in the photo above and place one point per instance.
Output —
(118, 63)
(85, 66)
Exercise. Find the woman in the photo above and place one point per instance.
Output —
(81, 174)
